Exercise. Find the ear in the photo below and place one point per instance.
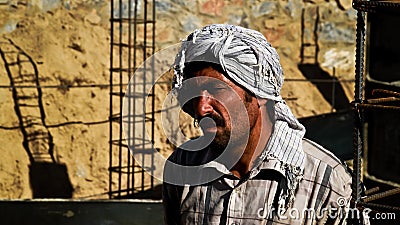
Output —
(262, 101)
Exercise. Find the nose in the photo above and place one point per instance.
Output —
(203, 104)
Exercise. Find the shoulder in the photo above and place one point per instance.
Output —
(324, 168)
(318, 153)
(190, 154)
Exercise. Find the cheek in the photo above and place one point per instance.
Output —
(235, 113)
(253, 111)
(226, 103)
(234, 108)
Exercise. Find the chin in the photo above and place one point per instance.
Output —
(220, 144)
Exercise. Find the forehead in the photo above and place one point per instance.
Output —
(211, 75)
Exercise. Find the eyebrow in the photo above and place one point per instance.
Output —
(212, 84)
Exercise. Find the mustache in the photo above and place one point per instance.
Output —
(219, 121)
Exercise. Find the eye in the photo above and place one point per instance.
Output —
(215, 88)
(187, 91)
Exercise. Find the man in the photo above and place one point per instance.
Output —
(252, 165)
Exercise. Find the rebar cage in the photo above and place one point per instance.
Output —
(132, 41)
(367, 100)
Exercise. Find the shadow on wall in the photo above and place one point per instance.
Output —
(327, 85)
(50, 180)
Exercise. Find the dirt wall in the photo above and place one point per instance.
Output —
(56, 139)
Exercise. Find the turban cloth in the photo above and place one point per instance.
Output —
(248, 58)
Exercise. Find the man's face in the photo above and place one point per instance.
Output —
(224, 109)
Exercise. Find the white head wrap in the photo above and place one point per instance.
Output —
(249, 59)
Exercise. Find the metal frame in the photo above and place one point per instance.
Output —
(132, 23)
(360, 104)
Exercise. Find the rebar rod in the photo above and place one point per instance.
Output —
(380, 206)
(381, 100)
(133, 79)
(153, 91)
(129, 46)
(385, 92)
(358, 97)
(110, 158)
(375, 6)
(381, 195)
(372, 190)
(120, 91)
(373, 106)
(144, 87)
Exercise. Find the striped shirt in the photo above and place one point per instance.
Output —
(320, 198)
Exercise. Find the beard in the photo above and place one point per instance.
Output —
(221, 141)
(221, 137)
